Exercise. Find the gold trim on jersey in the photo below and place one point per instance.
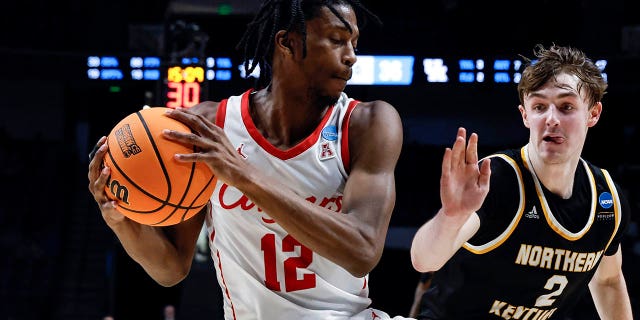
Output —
(551, 219)
(516, 219)
(616, 205)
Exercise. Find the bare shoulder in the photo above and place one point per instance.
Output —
(376, 108)
(375, 132)
(376, 115)
(208, 109)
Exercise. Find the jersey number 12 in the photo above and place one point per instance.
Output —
(291, 264)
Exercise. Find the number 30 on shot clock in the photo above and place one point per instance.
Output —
(183, 86)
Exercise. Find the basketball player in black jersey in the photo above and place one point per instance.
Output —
(524, 233)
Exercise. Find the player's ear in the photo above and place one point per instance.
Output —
(523, 113)
(594, 114)
(283, 42)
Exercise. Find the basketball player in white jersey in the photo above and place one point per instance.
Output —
(306, 185)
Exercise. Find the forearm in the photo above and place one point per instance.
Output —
(436, 241)
(344, 237)
(150, 248)
(611, 299)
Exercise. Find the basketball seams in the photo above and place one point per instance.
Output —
(152, 141)
(193, 185)
(115, 165)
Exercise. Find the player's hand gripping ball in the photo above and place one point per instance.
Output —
(149, 185)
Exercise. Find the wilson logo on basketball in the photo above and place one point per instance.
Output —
(126, 141)
(119, 191)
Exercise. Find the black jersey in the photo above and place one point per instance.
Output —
(534, 253)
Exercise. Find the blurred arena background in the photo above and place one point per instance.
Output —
(70, 69)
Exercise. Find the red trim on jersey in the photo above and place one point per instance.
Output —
(226, 289)
(267, 146)
(345, 135)
(212, 236)
(222, 113)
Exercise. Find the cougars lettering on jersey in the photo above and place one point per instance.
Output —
(264, 272)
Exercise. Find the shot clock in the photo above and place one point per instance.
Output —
(184, 86)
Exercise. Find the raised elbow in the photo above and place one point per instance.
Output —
(171, 280)
(422, 263)
(169, 276)
(363, 259)
(362, 266)
(422, 267)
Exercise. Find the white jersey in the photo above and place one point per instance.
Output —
(265, 273)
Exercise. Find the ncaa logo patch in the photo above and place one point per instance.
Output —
(606, 200)
(330, 133)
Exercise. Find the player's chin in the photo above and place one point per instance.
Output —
(336, 88)
(331, 98)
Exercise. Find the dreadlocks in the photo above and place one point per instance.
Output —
(291, 15)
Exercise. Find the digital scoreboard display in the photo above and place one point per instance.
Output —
(182, 84)
(185, 82)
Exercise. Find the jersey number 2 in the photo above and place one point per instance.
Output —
(546, 300)
(291, 264)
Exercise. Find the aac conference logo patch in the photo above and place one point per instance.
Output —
(606, 200)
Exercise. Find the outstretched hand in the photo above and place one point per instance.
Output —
(464, 183)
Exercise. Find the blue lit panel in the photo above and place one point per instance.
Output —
(224, 63)
(466, 77)
(501, 77)
(151, 74)
(151, 62)
(145, 68)
(109, 62)
(111, 74)
(190, 60)
(466, 64)
(502, 65)
(383, 70)
(223, 75)
(363, 72)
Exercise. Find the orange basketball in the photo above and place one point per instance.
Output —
(150, 186)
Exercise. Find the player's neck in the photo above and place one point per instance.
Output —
(556, 177)
(283, 119)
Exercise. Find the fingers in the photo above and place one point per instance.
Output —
(187, 138)
(472, 149)
(446, 161)
(462, 152)
(485, 172)
(97, 156)
(96, 147)
(102, 179)
(98, 174)
(194, 121)
(457, 152)
(199, 124)
(98, 183)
